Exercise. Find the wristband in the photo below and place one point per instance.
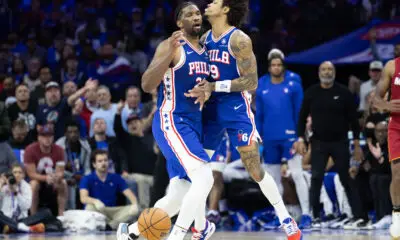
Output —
(223, 86)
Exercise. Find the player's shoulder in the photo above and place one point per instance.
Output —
(204, 36)
(241, 36)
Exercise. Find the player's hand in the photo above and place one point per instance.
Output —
(200, 92)
(174, 40)
(358, 154)
(391, 106)
(300, 147)
(98, 204)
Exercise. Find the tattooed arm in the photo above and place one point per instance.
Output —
(242, 48)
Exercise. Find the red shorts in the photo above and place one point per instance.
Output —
(394, 143)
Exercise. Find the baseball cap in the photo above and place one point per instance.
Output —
(52, 84)
(376, 65)
(132, 116)
(46, 130)
(276, 51)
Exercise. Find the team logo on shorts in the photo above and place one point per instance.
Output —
(242, 137)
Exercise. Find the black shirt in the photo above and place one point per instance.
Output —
(28, 115)
(332, 111)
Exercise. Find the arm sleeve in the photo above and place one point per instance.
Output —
(297, 100)
(304, 112)
(121, 184)
(259, 110)
(352, 115)
(84, 184)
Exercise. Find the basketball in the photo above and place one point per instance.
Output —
(154, 223)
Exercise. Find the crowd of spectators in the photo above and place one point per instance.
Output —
(72, 113)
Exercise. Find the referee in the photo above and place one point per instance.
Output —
(333, 111)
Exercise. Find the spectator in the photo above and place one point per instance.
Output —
(397, 50)
(33, 50)
(98, 191)
(106, 111)
(32, 77)
(69, 88)
(72, 73)
(375, 70)
(7, 95)
(55, 51)
(45, 166)
(113, 71)
(18, 70)
(354, 88)
(140, 166)
(378, 158)
(332, 111)
(133, 105)
(24, 108)
(39, 93)
(77, 155)
(20, 139)
(55, 110)
(5, 124)
(16, 199)
(117, 161)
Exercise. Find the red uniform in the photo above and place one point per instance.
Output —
(394, 120)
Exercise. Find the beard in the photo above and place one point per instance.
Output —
(326, 80)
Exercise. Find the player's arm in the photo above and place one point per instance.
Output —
(162, 59)
(383, 86)
(242, 48)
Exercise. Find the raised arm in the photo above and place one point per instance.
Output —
(162, 60)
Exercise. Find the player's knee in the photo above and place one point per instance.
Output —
(257, 174)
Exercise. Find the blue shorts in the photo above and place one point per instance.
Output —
(179, 138)
(230, 113)
(276, 151)
(220, 154)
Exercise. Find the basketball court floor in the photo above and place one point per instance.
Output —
(324, 235)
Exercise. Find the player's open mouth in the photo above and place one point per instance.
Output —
(197, 26)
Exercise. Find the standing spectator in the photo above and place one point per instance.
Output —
(45, 166)
(33, 50)
(16, 199)
(69, 88)
(55, 110)
(72, 73)
(77, 155)
(332, 110)
(378, 158)
(375, 71)
(24, 108)
(98, 191)
(140, 166)
(54, 52)
(117, 160)
(354, 88)
(107, 110)
(7, 95)
(20, 139)
(18, 70)
(39, 93)
(32, 77)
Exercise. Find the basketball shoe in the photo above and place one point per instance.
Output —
(395, 228)
(292, 231)
(206, 233)
(123, 232)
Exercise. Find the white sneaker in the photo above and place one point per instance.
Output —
(357, 224)
(384, 223)
(340, 222)
(123, 232)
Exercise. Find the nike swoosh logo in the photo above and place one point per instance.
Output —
(237, 107)
(189, 52)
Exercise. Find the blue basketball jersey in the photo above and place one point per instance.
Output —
(192, 67)
(223, 64)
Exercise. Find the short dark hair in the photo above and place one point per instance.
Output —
(19, 123)
(17, 165)
(97, 152)
(21, 85)
(275, 56)
(238, 10)
(180, 7)
(71, 123)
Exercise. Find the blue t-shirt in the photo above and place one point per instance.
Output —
(104, 191)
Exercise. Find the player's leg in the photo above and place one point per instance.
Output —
(395, 195)
(272, 160)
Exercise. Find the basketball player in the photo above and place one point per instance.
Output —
(391, 80)
(178, 65)
(234, 72)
